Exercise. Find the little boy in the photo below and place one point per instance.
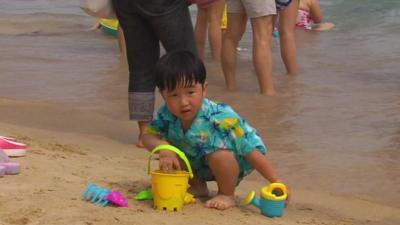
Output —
(220, 145)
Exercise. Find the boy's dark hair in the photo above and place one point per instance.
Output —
(179, 69)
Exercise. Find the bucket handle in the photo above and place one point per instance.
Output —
(173, 149)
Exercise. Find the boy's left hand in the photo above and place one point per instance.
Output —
(168, 161)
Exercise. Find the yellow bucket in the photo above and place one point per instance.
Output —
(170, 189)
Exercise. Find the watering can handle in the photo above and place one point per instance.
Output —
(173, 149)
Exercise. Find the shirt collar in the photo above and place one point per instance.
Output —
(167, 115)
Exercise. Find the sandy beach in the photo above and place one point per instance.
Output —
(64, 158)
(333, 135)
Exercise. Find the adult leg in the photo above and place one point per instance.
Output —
(225, 169)
(287, 22)
(142, 52)
(200, 30)
(262, 55)
(121, 42)
(214, 30)
(230, 40)
(175, 30)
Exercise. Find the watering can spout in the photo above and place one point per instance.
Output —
(251, 199)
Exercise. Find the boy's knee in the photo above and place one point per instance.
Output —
(222, 155)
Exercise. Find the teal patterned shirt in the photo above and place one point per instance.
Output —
(216, 126)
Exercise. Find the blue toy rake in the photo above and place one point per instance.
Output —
(96, 194)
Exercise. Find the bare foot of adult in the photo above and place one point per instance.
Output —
(139, 142)
(231, 87)
(221, 202)
(271, 93)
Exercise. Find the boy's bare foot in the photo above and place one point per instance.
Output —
(221, 202)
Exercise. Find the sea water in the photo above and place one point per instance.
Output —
(336, 126)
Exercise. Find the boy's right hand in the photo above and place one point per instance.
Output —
(168, 161)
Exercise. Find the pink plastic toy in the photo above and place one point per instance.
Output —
(117, 199)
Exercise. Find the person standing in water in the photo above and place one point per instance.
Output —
(146, 23)
(208, 23)
(120, 34)
(287, 12)
(261, 14)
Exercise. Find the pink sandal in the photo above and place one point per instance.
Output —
(7, 166)
(12, 148)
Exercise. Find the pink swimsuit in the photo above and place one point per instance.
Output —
(303, 19)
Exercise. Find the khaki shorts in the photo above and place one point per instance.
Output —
(252, 8)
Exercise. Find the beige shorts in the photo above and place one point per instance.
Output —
(252, 8)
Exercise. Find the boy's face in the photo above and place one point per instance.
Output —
(185, 102)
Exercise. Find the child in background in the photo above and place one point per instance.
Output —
(209, 16)
(119, 35)
(309, 16)
(220, 145)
